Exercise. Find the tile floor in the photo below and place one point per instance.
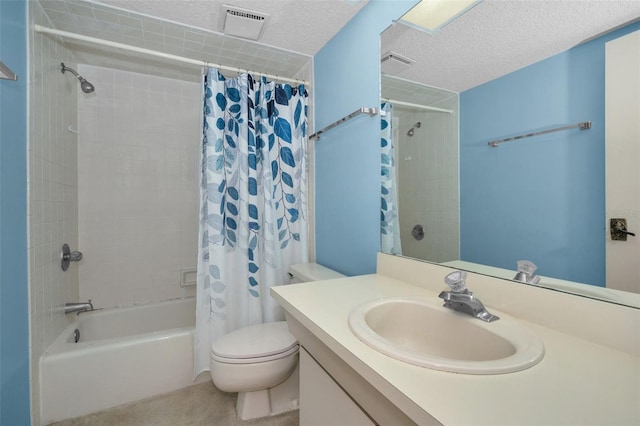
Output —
(199, 405)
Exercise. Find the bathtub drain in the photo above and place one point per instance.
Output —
(76, 335)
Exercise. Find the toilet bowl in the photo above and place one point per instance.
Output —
(253, 361)
(260, 362)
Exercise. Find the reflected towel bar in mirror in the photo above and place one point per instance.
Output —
(585, 125)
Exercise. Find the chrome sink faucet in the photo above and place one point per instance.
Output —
(526, 272)
(462, 300)
(78, 307)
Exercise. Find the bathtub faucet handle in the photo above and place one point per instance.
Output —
(67, 256)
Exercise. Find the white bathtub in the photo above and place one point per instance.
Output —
(124, 354)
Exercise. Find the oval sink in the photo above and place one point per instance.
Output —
(421, 331)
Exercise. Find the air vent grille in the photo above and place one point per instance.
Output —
(393, 63)
(238, 22)
(246, 15)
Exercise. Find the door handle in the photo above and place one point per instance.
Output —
(618, 229)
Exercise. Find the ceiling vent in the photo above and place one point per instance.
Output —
(238, 22)
(393, 63)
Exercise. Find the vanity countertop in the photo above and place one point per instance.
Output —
(578, 382)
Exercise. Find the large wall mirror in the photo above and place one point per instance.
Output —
(502, 70)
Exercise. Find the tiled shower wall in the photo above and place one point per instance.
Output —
(52, 186)
(138, 186)
(428, 183)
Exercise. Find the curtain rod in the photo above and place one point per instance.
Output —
(45, 30)
(418, 106)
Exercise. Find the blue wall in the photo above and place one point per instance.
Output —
(540, 198)
(14, 312)
(347, 77)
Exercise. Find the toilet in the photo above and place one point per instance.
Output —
(260, 362)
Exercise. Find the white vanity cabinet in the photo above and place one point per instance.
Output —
(346, 382)
(333, 393)
(322, 400)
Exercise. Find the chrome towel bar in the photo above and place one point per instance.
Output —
(6, 73)
(585, 125)
(362, 110)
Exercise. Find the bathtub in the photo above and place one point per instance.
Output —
(123, 355)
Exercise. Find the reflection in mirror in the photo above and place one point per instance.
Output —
(541, 199)
(422, 128)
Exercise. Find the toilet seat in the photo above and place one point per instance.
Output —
(257, 343)
(255, 360)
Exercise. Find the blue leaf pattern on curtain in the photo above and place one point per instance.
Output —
(253, 202)
(389, 216)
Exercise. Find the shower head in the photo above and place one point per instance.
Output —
(412, 129)
(84, 84)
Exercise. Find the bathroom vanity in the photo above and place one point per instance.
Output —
(590, 372)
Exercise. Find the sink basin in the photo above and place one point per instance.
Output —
(421, 331)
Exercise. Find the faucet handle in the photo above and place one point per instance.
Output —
(526, 272)
(456, 281)
(527, 267)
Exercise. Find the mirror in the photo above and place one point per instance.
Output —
(482, 78)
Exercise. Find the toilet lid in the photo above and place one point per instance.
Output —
(256, 341)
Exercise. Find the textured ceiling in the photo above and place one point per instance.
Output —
(303, 26)
(158, 29)
(494, 38)
(500, 36)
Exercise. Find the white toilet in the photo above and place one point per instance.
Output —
(260, 362)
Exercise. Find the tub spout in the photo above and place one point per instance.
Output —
(70, 307)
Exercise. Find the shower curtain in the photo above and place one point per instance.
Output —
(389, 218)
(252, 205)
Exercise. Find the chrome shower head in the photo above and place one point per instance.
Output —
(412, 129)
(84, 84)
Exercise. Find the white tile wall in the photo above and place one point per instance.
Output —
(138, 180)
(52, 186)
(427, 169)
(428, 183)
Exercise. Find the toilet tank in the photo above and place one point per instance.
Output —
(305, 272)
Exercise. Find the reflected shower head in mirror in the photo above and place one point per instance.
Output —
(412, 129)
(84, 84)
